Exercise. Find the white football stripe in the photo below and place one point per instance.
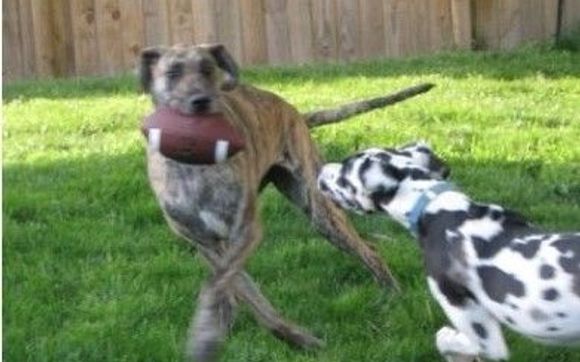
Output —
(154, 139)
(221, 150)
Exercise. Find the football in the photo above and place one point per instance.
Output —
(194, 139)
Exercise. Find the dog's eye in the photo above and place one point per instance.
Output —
(206, 68)
(175, 71)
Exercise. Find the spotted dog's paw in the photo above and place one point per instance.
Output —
(450, 341)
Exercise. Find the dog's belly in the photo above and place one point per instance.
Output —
(535, 294)
(199, 202)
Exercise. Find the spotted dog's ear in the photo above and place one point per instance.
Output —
(437, 167)
(148, 58)
(227, 63)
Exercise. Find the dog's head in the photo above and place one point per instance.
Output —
(188, 79)
(367, 181)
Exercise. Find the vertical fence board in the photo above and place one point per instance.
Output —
(510, 23)
(229, 26)
(462, 23)
(204, 21)
(550, 19)
(180, 21)
(253, 32)
(63, 47)
(156, 24)
(278, 32)
(324, 29)
(440, 27)
(84, 29)
(420, 13)
(301, 31)
(571, 15)
(27, 37)
(133, 36)
(402, 28)
(12, 67)
(372, 34)
(89, 37)
(390, 28)
(486, 24)
(348, 30)
(43, 35)
(109, 29)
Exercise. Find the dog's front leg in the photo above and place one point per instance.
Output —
(247, 291)
(477, 333)
(207, 331)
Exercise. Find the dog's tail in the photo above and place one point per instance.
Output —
(333, 115)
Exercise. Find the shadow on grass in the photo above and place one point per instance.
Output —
(522, 63)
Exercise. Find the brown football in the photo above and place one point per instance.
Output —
(194, 139)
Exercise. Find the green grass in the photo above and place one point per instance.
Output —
(92, 273)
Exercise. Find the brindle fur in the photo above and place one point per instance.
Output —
(215, 207)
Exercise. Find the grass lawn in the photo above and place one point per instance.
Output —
(92, 273)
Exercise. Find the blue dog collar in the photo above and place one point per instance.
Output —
(429, 195)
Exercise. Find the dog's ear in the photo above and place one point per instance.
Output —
(148, 58)
(225, 61)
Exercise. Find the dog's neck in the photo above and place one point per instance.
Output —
(415, 197)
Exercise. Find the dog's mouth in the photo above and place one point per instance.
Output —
(196, 105)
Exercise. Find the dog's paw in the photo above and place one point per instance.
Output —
(450, 341)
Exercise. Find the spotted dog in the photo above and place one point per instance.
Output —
(486, 265)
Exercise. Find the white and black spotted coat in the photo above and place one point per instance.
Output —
(485, 265)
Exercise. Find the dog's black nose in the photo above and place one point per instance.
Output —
(200, 103)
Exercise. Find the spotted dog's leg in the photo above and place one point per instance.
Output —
(476, 333)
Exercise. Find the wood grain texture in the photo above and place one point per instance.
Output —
(180, 17)
(109, 29)
(88, 37)
(156, 22)
(278, 32)
(462, 23)
(571, 15)
(43, 35)
(301, 30)
(204, 21)
(26, 31)
(372, 33)
(324, 30)
(133, 34)
(84, 29)
(12, 67)
(349, 41)
(229, 26)
(253, 25)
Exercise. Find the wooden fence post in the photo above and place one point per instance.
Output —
(461, 15)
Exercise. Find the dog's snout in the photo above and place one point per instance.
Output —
(200, 103)
(329, 171)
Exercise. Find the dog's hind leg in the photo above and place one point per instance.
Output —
(246, 290)
(331, 222)
(296, 179)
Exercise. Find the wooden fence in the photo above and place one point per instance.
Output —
(43, 38)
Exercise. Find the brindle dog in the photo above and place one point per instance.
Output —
(215, 207)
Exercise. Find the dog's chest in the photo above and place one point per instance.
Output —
(200, 202)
